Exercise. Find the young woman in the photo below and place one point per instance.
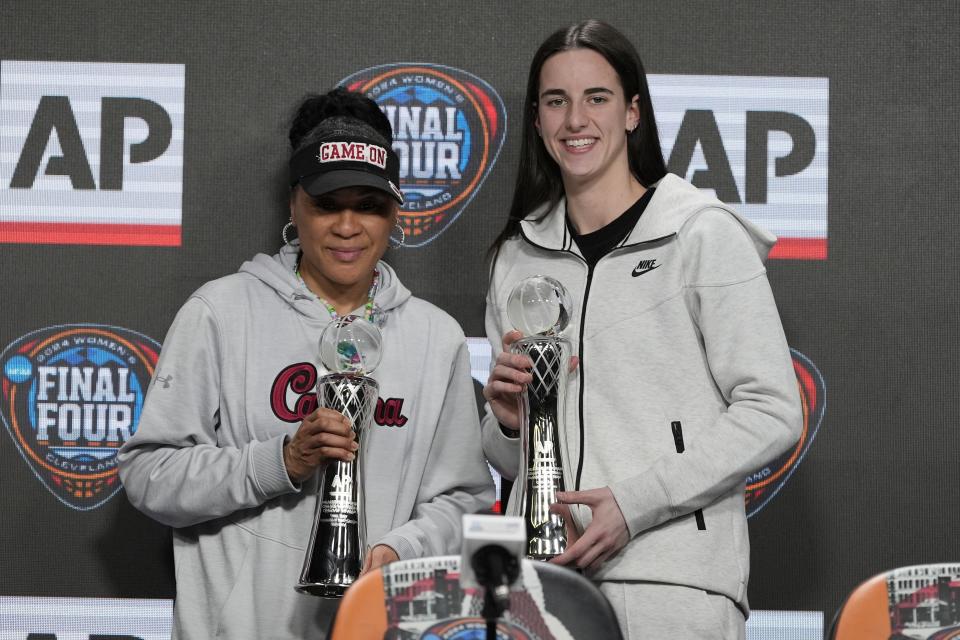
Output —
(230, 441)
(684, 382)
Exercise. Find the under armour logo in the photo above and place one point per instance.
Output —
(165, 381)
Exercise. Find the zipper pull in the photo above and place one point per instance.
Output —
(677, 435)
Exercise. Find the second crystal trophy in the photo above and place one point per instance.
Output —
(350, 350)
(540, 307)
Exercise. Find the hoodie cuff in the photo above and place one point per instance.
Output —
(501, 450)
(509, 433)
(405, 549)
(643, 501)
(270, 474)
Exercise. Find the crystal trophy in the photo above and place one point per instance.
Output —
(350, 350)
(539, 307)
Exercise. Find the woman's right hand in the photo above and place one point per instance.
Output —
(510, 376)
(323, 435)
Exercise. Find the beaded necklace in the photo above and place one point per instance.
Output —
(367, 308)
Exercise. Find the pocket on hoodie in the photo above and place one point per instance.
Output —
(676, 429)
(725, 619)
(262, 602)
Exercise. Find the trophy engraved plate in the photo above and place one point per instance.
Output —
(338, 539)
(540, 308)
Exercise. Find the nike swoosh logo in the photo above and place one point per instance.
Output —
(640, 272)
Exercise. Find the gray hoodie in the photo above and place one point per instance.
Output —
(685, 383)
(234, 379)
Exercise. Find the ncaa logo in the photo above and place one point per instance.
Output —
(766, 483)
(470, 628)
(72, 395)
(448, 129)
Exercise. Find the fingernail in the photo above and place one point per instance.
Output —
(354, 445)
(351, 456)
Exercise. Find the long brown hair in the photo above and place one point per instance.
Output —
(538, 177)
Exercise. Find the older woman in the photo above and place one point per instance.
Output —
(684, 384)
(230, 440)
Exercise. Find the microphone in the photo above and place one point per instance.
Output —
(496, 570)
(490, 558)
(506, 532)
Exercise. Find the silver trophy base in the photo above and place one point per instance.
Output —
(544, 552)
(321, 590)
(551, 542)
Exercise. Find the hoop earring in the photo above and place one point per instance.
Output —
(286, 230)
(403, 236)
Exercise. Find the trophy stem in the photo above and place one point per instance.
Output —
(542, 463)
(337, 542)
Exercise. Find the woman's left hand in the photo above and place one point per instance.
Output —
(605, 535)
(379, 556)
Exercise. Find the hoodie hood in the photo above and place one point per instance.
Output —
(674, 202)
(277, 272)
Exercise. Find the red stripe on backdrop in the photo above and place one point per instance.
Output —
(153, 235)
(800, 249)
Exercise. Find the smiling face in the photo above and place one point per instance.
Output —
(342, 235)
(583, 117)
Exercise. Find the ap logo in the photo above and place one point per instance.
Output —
(91, 153)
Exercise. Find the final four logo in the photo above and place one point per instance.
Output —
(72, 395)
(448, 128)
(766, 483)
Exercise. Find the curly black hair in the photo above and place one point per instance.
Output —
(338, 102)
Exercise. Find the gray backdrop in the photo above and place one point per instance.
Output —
(880, 485)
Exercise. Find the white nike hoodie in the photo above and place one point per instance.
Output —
(685, 383)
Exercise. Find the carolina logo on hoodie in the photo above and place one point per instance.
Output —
(72, 395)
(448, 129)
(767, 482)
(293, 397)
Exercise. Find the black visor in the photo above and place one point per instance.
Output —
(346, 161)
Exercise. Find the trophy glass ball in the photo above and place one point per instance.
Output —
(350, 345)
(539, 306)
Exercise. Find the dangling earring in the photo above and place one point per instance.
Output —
(633, 128)
(403, 236)
(286, 230)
